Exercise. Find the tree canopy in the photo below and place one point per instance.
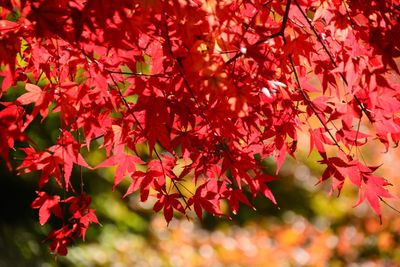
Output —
(188, 98)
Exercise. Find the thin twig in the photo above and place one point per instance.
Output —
(332, 60)
(80, 165)
(143, 131)
(311, 105)
(62, 126)
(192, 94)
(110, 73)
(390, 206)
(139, 74)
(281, 33)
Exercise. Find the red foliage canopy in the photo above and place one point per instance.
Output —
(216, 86)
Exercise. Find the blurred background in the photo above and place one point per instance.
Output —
(310, 228)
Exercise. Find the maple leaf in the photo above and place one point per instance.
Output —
(79, 209)
(373, 191)
(236, 196)
(142, 181)
(6, 25)
(6, 80)
(33, 95)
(126, 164)
(47, 205)
(207, 199)
(61, 238)
(10, 129)
(168, 203)
(67, 153)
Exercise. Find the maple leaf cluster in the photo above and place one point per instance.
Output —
(210, 88)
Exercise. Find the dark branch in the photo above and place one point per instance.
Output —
(139, 74)
(143, 131)
(331, 59)
(311, 105)
(281, 33)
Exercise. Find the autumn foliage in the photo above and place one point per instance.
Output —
(210, 88)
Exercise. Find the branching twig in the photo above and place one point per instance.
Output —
(247, 27)
(311, 105)
(110, 73)
(281, 33)
(143, 131)
(191, 92)
(62, 129)
(139, 74)
(331, 59)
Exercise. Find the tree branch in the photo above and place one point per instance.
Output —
(311, 105)
(143, 131)
(281, 33)
(139, 74)
(331, 59)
